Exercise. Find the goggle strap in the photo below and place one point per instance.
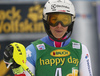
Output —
(73, 18)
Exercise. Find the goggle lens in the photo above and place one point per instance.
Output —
(54, 18)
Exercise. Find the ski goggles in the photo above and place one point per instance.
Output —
(54, 18)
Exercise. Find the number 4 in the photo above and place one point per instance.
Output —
(58, 72)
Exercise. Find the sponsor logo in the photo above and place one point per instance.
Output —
(54, 6)
(88, 64)
(19, 51)
(52, 61)
(62, 6)
(60, 53)
(59, 61)
(41, 47)
(74, 72)
(72, 60)
(76, 45)
(86, 56)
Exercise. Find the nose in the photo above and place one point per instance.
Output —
(59, 25)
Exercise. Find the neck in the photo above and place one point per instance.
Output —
(57, 44)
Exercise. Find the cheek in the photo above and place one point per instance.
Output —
(51, 28)
(66, 28)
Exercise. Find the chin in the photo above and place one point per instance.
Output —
(58, 37)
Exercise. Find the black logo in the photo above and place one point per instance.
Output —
(20, 53)
(53, 7)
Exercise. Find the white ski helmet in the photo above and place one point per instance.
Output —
(58, 6)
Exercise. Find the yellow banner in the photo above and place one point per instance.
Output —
(26, 19)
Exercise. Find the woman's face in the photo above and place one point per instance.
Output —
(58, 31)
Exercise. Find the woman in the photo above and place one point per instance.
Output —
(56, 54)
